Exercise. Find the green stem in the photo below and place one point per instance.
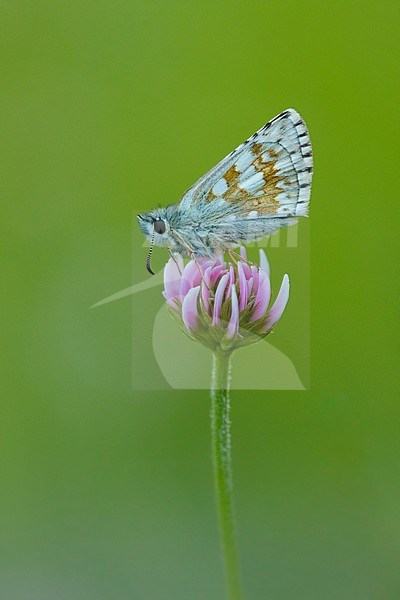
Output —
(222, 462)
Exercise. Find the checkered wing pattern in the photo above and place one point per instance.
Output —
(269, 175)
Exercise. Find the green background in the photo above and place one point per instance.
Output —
(112, 107)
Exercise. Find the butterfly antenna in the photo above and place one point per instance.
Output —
(148, 259)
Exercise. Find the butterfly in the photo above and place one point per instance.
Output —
(261, 186)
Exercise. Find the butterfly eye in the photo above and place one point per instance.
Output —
(159, 226)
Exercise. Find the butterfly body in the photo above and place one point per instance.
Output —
(258, 188)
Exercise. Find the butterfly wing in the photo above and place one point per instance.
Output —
(269, 175)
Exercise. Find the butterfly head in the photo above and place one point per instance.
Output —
(155, 223)
(155, 227)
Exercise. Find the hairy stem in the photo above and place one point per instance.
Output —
(222, 462)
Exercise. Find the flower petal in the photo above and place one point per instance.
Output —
(216, 272)
(243, 295)
(205, 263)
(262, 297)
(249, 287)
(172, 279)
(189, 308)
(243, 252)
(246, 270)
(174, 302)
(255, 275)
(279, 305)
(233, 325)
(219, 295)
(264, 264)
(190, 278)
(231, 280)
(205, 290)
(231, 274)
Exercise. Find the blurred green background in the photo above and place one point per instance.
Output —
(112, 107)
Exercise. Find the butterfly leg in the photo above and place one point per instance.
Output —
(246, 260)
(172, 255)
(182, 242)
(192, 256)
(231, 254)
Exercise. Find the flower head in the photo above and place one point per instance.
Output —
(222, 304)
